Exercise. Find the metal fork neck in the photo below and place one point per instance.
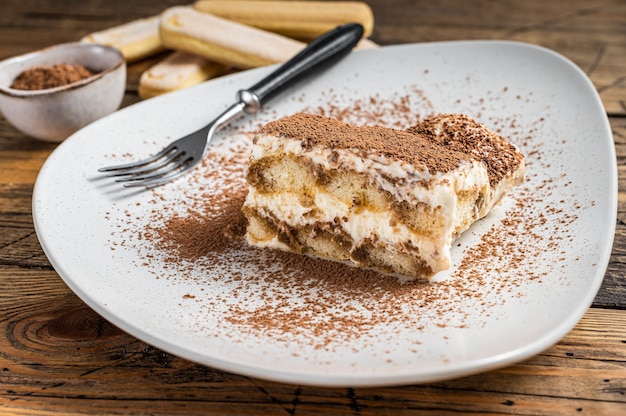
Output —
(231, 113)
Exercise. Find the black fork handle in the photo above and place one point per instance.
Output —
(321, 52)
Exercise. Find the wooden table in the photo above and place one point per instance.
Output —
(57, 356)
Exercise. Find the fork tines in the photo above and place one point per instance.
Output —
(153, 171)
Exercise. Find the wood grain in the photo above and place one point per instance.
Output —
(57, 356)
(53, 355)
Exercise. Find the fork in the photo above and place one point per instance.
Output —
(185, 153)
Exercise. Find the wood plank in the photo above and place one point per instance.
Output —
(57, 351)
(613, 289)
(58, 357)
(591, 33)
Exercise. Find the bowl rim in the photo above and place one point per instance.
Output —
(18, 93)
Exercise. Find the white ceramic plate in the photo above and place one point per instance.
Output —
(521, 278)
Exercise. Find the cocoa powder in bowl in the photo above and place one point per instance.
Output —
(45, 77)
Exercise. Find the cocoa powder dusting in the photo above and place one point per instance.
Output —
(44, 77)
(463, 134)
(365, 140)
(192, 235)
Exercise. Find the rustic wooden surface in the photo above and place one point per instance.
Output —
(59, 357)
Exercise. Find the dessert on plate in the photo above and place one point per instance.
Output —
(372, 196)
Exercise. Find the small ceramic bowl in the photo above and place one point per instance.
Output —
(53, 114)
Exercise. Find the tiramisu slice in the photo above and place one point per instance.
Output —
(377, 197)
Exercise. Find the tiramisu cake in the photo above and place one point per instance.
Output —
(376, 197)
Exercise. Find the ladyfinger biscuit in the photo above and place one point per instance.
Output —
(179, 70)
(136, 40)
(297, 19)
(223, 41)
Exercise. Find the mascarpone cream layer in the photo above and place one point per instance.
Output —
(359, 225)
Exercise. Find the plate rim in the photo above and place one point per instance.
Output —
(357, 380)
